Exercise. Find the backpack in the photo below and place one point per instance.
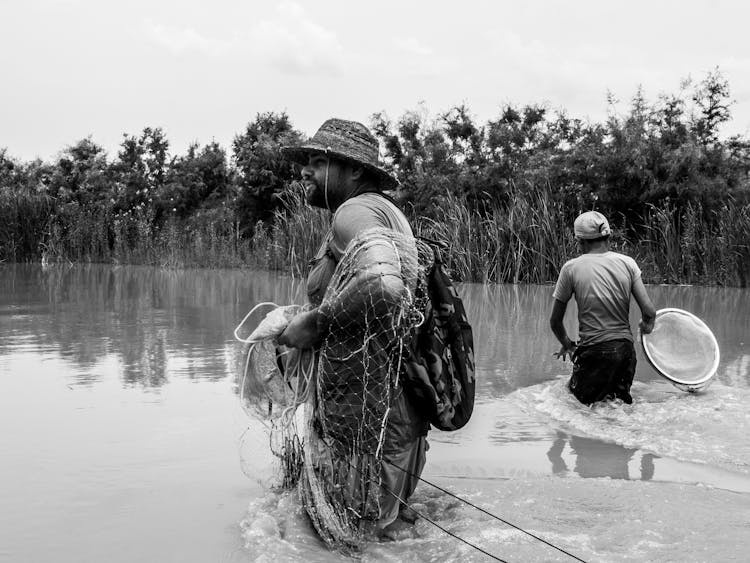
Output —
(439, 363)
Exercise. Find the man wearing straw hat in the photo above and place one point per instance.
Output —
(602, 282)
(341, 173)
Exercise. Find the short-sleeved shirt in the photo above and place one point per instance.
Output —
(366, 211)
(356, 214)
(602, 284)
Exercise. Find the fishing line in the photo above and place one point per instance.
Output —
(484, 511)
(459, 538)
(438, 526)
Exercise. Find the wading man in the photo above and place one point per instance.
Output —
(341, 173)
(602, 282)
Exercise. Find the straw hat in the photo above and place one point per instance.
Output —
(347, 140)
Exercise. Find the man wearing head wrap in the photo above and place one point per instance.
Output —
(602, 282)
(341, 173)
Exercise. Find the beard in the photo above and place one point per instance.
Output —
(315, 194)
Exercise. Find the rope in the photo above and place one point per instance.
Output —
(242, 322)
(459, 538)
(431, 521)
(483, 511)
(295, 370)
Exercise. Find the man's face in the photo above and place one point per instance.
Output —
(314, 180)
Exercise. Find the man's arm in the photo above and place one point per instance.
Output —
(374, 290)
(648, 311)
(305, 330)
(556, 324)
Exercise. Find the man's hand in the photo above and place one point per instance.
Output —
(566, 350)
(303, 331)
(646, 325)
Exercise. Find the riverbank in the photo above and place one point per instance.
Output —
(524, 243)
(502, 194)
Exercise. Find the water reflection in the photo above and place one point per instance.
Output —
(512, 339)
(155, 323)
(160, 323)
(595, 458)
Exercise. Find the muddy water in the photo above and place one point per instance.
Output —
(123, 438)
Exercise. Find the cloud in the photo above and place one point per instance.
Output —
(533, 57)
(576, 72)
(294, 44)
(288, 41)
(409, 57)
(182, 40)
(411, 46)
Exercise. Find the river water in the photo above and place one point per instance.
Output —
(123, 438)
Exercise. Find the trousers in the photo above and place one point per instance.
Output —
(603, 371)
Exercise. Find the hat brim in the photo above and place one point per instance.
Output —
(301, 153)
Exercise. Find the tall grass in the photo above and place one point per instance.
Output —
(297, 233)
(24, 217)
(695, 246)
(527, 242)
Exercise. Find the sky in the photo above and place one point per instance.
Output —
(71, 69)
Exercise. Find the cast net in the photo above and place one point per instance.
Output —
(328, 409)
(682, 349)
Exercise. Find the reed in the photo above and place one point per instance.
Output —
(526, 241)
(24, 217)
(297, 233)
(523, 243)
(695, 246)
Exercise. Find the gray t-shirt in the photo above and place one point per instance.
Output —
(602, 284)
(365, 211)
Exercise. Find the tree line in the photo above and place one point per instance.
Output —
(502, 193)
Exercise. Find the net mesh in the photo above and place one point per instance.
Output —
(681, 347)
(328, 409)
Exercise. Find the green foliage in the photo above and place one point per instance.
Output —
(140, 169)
(25, 208)
(81, 174)
(503, 193)
(670, 150)
(199, 179)
(262, 172)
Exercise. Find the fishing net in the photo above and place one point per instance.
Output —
(682, 349)
(328, 409)
(275, 384)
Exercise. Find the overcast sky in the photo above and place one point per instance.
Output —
(202, 70)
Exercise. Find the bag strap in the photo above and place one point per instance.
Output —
(438, 248)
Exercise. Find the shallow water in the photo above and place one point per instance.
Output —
(123, 437)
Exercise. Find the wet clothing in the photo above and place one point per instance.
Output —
(404, 443)
(604, 362)
(603, 371)
(601, 284)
